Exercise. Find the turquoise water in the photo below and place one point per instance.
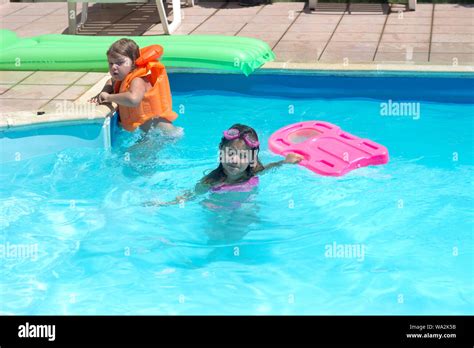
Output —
(99, 251)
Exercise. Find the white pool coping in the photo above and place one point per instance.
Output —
(78, 111)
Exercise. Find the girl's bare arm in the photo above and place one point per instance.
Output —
(108, 88)
(291, 158)
(199, 189)
(130, 98)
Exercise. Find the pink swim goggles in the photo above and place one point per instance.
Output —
(234, 133)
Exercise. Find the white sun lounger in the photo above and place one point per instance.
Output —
(168, 27)
(411, 4)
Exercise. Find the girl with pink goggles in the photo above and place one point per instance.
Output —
(234, 133)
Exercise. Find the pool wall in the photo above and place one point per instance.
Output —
(434, 87)
(20, 143)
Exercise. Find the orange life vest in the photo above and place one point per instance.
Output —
(157, 100)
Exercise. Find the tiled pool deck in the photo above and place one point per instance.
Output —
(435, 36)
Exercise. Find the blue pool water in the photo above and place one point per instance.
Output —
(94, 249)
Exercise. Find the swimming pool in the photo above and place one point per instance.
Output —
(392, 239)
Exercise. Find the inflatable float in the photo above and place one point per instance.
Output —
(87, 53)
(327, 149)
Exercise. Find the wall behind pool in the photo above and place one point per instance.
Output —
(436, 87)
(20, 143)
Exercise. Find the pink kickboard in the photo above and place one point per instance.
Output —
(326, 148)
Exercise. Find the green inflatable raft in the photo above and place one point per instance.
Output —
(87, 53)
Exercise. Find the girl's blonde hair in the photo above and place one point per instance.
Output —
(124, 47)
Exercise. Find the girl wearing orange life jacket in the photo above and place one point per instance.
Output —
(139, 85)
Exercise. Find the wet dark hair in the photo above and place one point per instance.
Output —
(124, 47)
(218, 174)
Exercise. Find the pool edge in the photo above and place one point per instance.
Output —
(379, 67)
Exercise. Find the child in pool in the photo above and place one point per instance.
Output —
(238, 167)
(133, 103)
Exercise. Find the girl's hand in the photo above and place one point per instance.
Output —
(293, 158)
(178, 200)
(102, 97)
(94, 99)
